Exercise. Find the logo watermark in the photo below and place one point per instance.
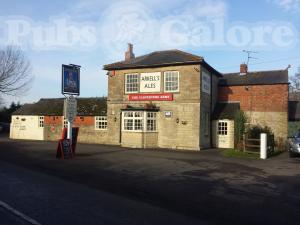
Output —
(133, 22)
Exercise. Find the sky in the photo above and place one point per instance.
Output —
(92, 33)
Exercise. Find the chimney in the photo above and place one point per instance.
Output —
(243, 69)
(129, 54)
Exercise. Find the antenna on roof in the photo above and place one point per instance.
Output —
(249, 55)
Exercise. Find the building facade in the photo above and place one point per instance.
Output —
(44, 120)
(162, 100)
(263, 96)
(166, 99)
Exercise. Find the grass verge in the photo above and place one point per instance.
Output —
(238, 154)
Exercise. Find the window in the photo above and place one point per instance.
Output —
(100, 122)
(65, 122)
(131, 83)
(222, 128)
(171, 81)
(133, 121)
(41, 121)
(151, 121)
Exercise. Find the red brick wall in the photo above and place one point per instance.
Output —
(57, 120)
(52, 120)
(260, 98)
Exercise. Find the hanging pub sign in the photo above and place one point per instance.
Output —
(70, 79)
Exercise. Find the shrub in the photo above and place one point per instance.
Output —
(239, 129)
(254, 133)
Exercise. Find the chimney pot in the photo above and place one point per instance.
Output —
(129, 53)
(243, 69)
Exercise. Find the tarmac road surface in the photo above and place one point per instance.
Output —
(32, 198)
(124, 186)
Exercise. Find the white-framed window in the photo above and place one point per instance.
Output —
(65, 122)
(41, 121)
(139, 121)
(131, 83)
(171, 81)
(151, 121)
(100, 122)
(222, 128)
(133, 121)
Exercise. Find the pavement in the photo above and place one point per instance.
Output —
(193, 187)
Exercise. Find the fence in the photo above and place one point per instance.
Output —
(252, 145)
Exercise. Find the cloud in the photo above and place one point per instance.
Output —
(287, 5)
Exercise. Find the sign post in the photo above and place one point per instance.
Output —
(70, 87)
(70, 112)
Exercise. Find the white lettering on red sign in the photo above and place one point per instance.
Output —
(151, 97)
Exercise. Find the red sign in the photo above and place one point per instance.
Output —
(64, 149)
(150, 97)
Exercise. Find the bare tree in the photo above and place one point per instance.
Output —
(15, 71)
(295, 82)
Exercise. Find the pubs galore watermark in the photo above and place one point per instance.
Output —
(130, 21)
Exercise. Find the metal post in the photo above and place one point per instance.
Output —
(263, 146)
(69, 133)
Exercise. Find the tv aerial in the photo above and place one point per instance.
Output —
(249, 53)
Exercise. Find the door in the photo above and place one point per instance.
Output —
(223, 134)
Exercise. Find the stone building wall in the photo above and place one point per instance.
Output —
(181, 131)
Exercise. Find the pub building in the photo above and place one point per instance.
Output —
(173, 99)
(176, 100)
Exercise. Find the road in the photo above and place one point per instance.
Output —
(113, 185)
(49, 200)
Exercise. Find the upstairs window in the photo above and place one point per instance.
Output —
(100, 122)
(41, 121)
(171, 81)
(131, 83)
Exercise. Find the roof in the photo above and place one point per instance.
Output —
(160, 58)
(54, 107)
(253, 78)
(294, 110)
(225, 110)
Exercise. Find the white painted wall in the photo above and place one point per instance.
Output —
(26, 127)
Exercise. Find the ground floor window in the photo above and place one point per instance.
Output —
(65, 122)
(138, 121)
(100, 122)
(151, 121)
(222, 128)
(41, 121)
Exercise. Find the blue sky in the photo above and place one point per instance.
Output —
(93, 33)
